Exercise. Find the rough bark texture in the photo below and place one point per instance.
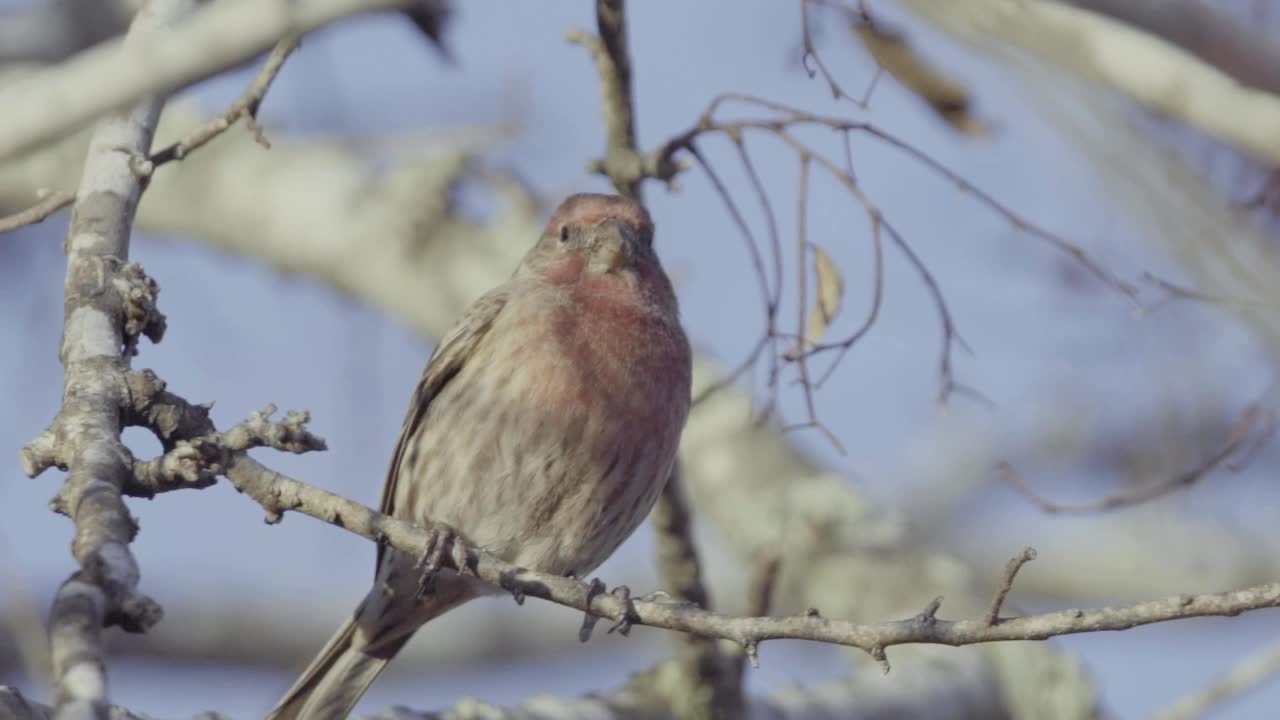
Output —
(109, 304)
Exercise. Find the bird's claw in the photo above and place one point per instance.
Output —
(628, 615)
(510, 582)
(589, 621)
(439, 546)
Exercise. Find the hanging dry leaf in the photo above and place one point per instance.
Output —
(830, 293)
(948, 98)
(827, 305)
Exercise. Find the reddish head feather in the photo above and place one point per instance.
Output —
(587, 209)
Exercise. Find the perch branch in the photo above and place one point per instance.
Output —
(279, 494)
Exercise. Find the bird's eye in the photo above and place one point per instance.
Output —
(564, 233)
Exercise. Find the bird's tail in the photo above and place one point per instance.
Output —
(336, 680)
(353, 658)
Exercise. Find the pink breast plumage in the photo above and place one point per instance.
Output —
(578, 437)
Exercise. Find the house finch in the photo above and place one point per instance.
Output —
(542, 431)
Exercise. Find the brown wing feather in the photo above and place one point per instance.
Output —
(447, 360)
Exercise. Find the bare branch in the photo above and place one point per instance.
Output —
(278, 494)
(1244, 676)
(50, 203)
(792, 117)
(1167, 80)
(245, 107)
(1236, 438)
(810, 52)
(622, 162)
(1246, 54)
(50, 103)
(109, 304)
(1010, 572)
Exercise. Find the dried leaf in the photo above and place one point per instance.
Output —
(948, 98)
(830, 293)
(825, 307)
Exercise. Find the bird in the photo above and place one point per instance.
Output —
(543, 429)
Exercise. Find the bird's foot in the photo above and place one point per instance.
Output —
(589, 621)
(439, 546)
(625, 619)
(628, 616)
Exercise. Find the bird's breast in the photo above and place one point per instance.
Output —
(560, 432)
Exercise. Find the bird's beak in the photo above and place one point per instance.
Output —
(611, 247)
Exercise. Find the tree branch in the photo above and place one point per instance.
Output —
(50, 203)
(50, 103)
(622, 163)
(109, 304)
(245, 107)
(278, 494)
(1249, 56)
(1244, 676)
(1166, 79)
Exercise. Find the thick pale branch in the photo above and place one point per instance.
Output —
(109, 304)
(50, 103)
(1237, 49)
(1164, 78)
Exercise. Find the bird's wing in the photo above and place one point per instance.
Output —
(448, 359)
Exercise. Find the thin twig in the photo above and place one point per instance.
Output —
(1006, 584)
(1246, 675)
(245, 108)
(801, 358)
(811, 53)
(1240, 432)
(780, 128)
(793, 117)
(50, 203)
